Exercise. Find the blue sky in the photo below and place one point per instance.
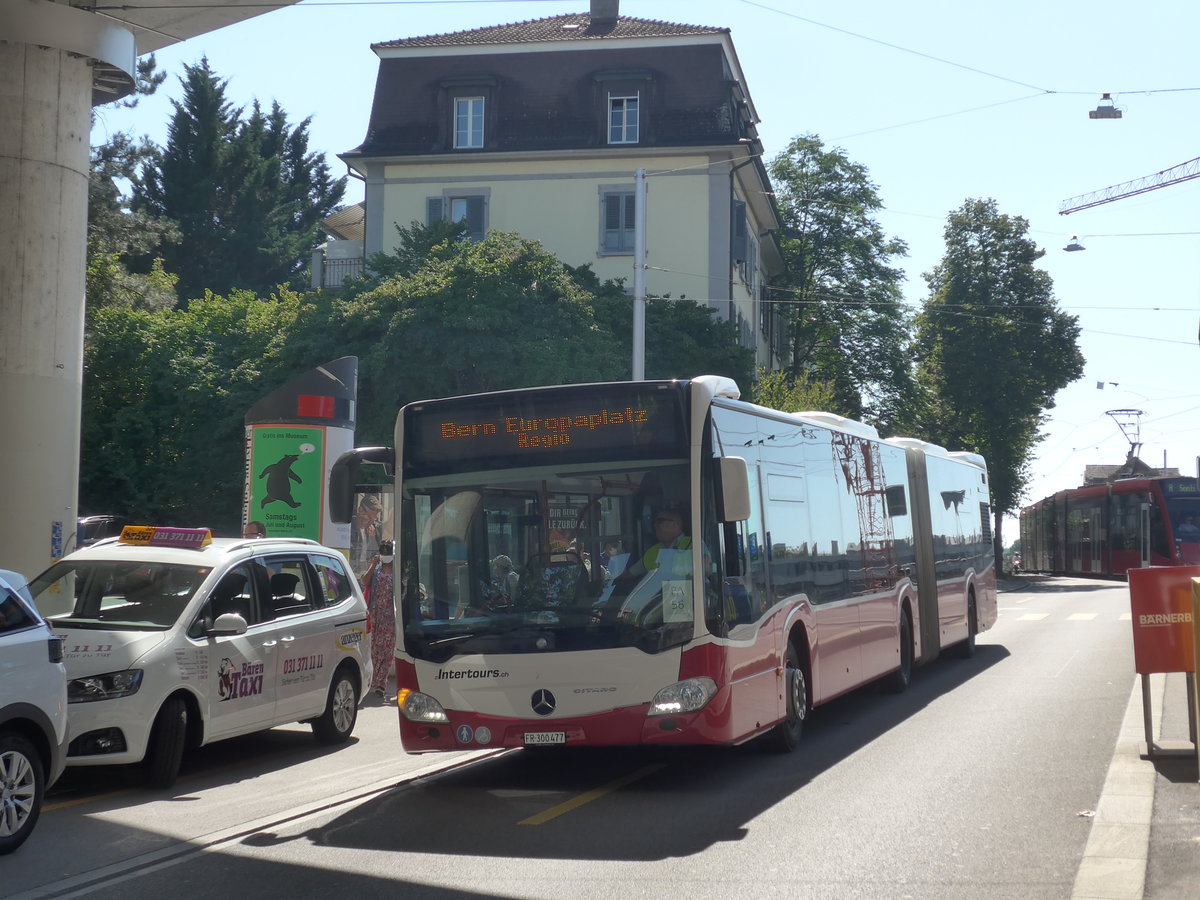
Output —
(939, 101)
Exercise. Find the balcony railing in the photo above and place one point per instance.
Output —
(332, 273)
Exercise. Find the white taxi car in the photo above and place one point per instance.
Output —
(33, 712)
(173, 639)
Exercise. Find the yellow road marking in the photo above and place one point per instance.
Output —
(1081, 617)
(574, 803)
(78, 801)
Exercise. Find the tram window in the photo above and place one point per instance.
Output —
(897, 502)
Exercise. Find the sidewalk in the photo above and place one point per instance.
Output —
(1173, 869)
(1145, 838)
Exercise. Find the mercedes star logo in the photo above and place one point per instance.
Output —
(542, 702)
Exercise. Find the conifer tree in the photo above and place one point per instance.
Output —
(246, 193)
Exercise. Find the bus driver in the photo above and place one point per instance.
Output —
(668, 532)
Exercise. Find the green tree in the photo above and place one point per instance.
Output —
(115, 232)
(416, 244)
(992, 347)
(683, 338)
(787, 393)
(246, 194)
(496, 314)
(847, 324)
(165, 395)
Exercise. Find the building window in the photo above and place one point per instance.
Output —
(468, 123)
(617, 222)
(468, 208)
(623, 118)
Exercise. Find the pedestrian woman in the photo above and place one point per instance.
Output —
(378, 583)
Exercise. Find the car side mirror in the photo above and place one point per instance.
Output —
(228, 624)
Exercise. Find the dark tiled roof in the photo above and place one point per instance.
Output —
(571, 27)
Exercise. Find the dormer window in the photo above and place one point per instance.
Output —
(623, 118)
(468, 123)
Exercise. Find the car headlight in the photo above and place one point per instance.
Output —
(108, 686)
(683, 697)
(418, 707)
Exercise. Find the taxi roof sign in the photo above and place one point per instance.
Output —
(163, 536)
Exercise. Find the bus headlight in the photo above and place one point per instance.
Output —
(418, 707)
(683, 697)
(108, 686)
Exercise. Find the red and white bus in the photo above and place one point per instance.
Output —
(534, 606)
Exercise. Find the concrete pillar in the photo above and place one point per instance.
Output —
(45, 105)
(55, 62)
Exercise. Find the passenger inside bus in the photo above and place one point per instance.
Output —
(1187, 529)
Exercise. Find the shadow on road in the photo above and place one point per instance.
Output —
(678, 802)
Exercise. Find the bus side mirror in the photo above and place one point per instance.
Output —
(343, 478)
(735, 489)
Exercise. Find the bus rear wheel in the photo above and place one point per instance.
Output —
(785, 736)
(966, 649)
(899, 680)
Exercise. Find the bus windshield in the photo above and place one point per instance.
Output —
(544, 559)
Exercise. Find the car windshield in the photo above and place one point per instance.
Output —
(538, 560)
(116, 594)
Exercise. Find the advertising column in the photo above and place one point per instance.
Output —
(293, 437)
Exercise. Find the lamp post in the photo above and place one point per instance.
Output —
(639, 275)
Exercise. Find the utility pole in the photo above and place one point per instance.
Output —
(639, 275)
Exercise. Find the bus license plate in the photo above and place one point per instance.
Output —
(545, 737)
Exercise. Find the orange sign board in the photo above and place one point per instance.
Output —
(1160, 599)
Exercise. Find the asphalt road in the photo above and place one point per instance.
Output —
(981, 781)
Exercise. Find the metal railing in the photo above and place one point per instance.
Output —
(334, 272)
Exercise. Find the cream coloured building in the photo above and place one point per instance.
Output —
(539, 127)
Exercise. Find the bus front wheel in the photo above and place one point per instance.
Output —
(786, 735)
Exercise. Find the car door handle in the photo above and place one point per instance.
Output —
(270, 643)
(288, 639)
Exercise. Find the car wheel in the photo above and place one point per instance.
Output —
(785, 736)
(341, 710)
(22, 788)
(164, 754)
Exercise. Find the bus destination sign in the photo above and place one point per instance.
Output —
(554, 431)
(642, 418)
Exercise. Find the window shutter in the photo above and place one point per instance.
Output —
(612, 221)
(475, 217)
(737, 232)
(434, 209)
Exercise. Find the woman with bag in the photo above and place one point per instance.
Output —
(378, 585)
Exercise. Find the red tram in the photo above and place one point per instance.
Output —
(1107, 529)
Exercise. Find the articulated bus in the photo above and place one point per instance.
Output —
(535, 605)
(1103, 530)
